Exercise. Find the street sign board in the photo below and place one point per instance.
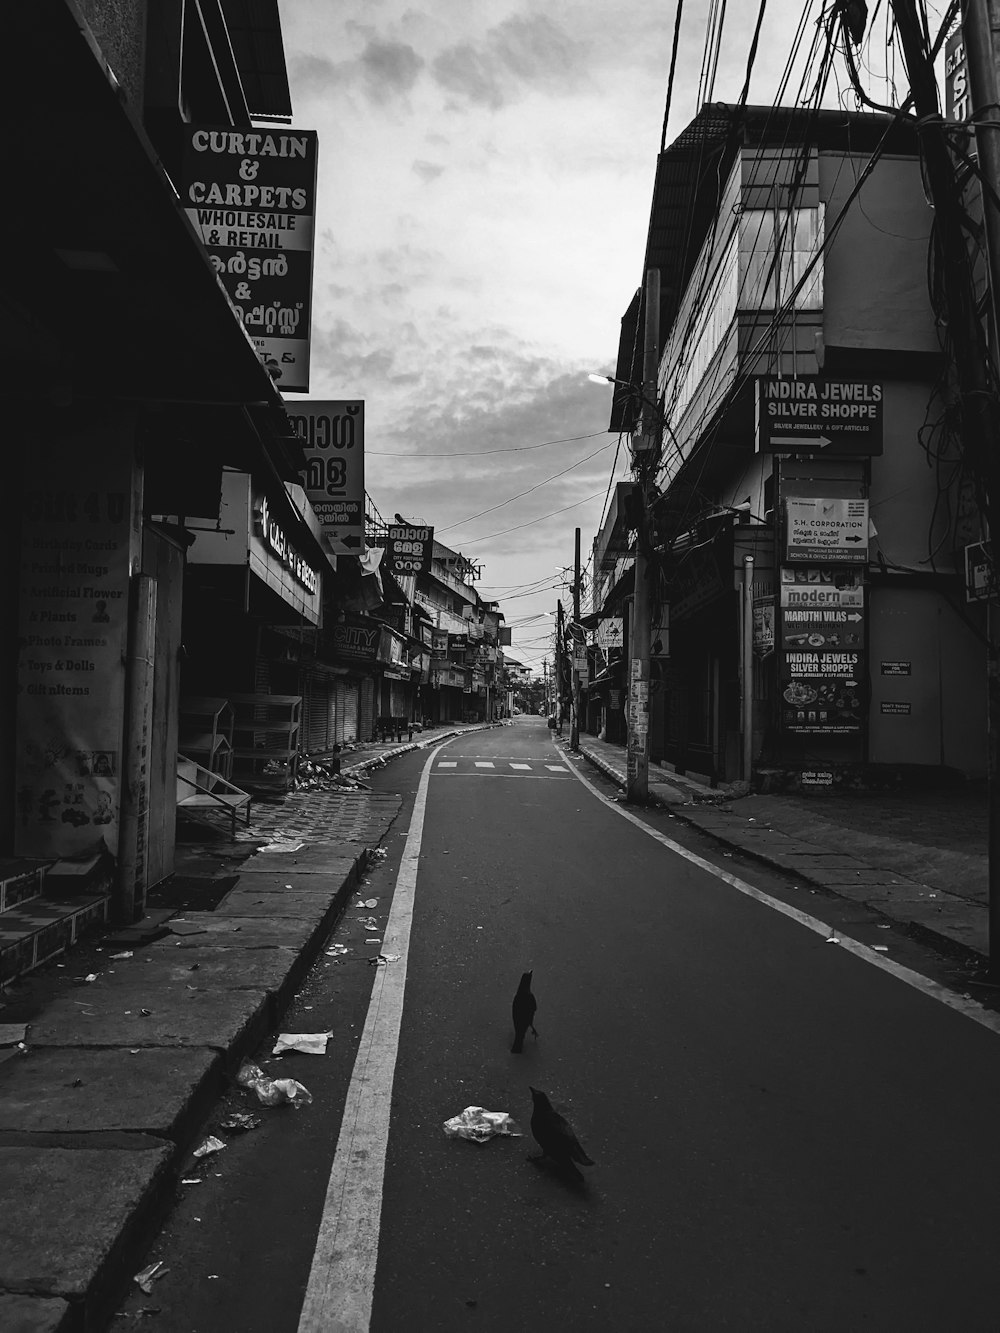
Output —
(819, 588)
(333, 436)
(251, 197)
(978, 572)
(812, 413)
(827, 529)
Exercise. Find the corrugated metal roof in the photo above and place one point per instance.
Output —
(255, 32)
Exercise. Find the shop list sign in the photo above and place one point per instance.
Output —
(251, 196)
(823, 660)
(72, 638)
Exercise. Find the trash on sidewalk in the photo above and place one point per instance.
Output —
(368, 922)
(376, 939)
(91, 976)
(281, 845)
(126, 953)
(377, 852)
(380, 959)
(239, 1122)
(211, 1145)
(480, 1126)
(272, 1091)
(337, 949)
(307, 1043)
(367, 902)
(152, 1273)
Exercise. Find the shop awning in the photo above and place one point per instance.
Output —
(107, 291)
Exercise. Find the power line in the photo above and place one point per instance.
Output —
(478, 453)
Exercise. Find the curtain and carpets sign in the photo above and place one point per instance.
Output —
(251, 196)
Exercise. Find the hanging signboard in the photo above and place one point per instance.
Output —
(813, 413)
(408, 550)
(333, 436)
(822, 629)
(251, 197)
(821, 529)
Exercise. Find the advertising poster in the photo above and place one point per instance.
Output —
(72, 634)
(333, 436)
(822, 637)
(251, 197)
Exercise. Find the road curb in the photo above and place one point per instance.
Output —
(919, 930)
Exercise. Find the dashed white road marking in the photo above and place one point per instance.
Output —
(557, 768)
(447, 763)
(485, 763)
(951, 999)
(524, 766)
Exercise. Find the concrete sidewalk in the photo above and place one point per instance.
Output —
(111, 1059)
(918, 858)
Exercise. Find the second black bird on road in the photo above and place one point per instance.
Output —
(554, 1135)
(523, 1012)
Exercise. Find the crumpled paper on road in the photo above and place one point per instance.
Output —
(480, 1126)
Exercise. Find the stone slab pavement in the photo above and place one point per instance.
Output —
(917, 857)
(111, 1058)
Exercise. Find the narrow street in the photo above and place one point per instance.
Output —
(774, 1122)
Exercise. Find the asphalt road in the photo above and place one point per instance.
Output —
(785, 1137)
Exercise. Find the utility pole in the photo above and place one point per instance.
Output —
(977, 22)
(574, 726)
(645, 457)
(560, 659)
(979, 417)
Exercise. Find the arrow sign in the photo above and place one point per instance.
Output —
(800, 442)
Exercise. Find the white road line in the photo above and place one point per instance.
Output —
(970, 1008)
(526, 767)
(448, 763)
(557, 768)
(485, 763)
(338, 1297)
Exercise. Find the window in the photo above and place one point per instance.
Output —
(765, 284)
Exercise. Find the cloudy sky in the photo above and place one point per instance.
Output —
(485, 175)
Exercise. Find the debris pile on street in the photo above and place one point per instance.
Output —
(324, 775)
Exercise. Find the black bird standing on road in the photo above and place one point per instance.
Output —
(555, 1136)
(523, 1012)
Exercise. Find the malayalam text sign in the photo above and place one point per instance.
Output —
(408, 550)
(809, 413)
(333, 438)
(827, 529)
(251, 196)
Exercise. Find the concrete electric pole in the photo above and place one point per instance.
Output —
(644, 457)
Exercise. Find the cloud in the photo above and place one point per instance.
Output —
(390, 69)
(519, 54)
(428, 171)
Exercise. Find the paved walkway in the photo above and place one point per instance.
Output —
(918, 857)
(111, 1060)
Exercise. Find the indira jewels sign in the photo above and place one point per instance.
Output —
(806, 413)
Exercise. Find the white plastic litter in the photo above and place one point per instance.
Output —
(211, 1145)
(272, 1091)
(307, 1043)
(480, 1126)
